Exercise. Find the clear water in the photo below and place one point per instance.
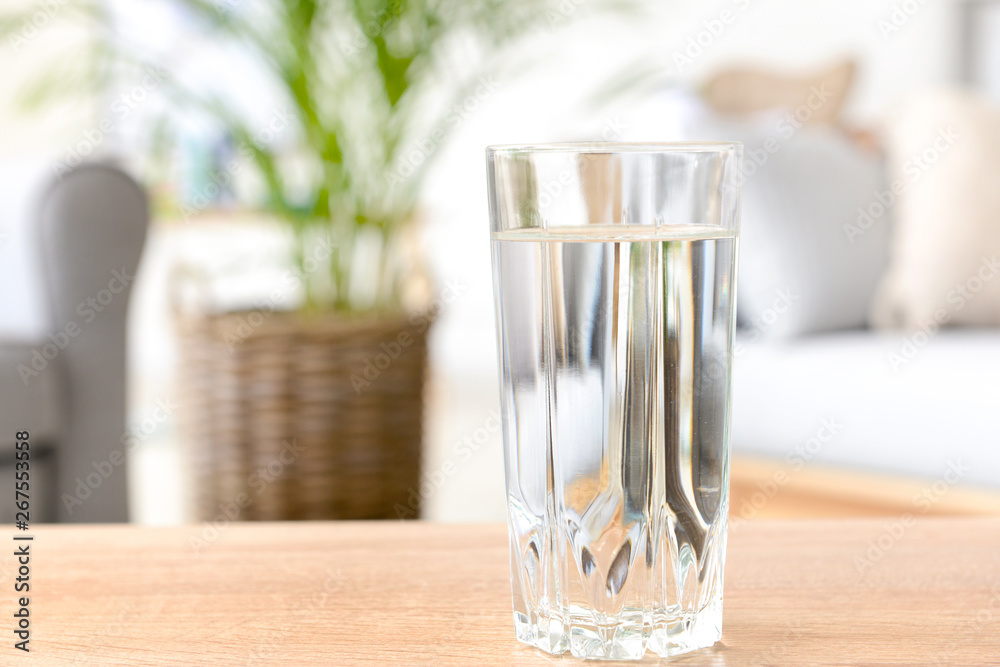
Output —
(615, 348)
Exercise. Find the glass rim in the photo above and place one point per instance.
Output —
(576, 147)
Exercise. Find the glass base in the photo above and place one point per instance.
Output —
(667, 636)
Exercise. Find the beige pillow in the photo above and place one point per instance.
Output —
(943, 152)
(816, 98)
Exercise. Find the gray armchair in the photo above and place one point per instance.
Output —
(67, 390)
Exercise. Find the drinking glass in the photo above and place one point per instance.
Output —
(614, 271)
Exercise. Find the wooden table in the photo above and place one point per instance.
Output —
(816, 593)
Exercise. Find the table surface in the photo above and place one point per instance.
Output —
(818, 593)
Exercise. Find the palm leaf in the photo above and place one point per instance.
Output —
(358, 108)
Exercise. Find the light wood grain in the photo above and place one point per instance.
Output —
(763, 488)
(417, 593)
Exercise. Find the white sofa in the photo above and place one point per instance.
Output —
(901, 402)
(937, 410)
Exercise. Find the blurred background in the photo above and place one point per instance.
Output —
(245, 256)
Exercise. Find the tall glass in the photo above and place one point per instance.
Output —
(614, 278)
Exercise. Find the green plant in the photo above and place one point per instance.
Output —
(365, 80)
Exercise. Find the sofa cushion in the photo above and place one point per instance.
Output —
(898, 403)
(944, 149)
(42, 487)
(29, 385)
(810, 259)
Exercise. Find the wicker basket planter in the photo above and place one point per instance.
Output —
(288, 417)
